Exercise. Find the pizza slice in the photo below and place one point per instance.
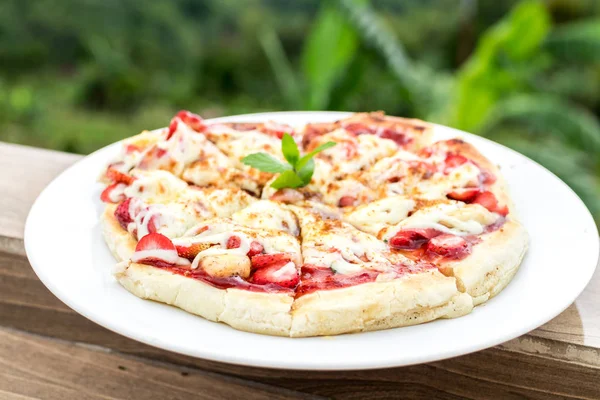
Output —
(480, 248)
(223, 271)
(156, 201)
(450, 169)
(408, 134)
(351, 281)
(237, 140)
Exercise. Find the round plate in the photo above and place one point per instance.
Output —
(66, 249)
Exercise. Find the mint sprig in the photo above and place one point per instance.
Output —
(299, 170)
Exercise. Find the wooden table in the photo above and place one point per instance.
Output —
(48, 351)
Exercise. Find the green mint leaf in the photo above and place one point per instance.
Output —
(306, 172)
(266, 163)
(302, 162)
(290, 149)
(287, 179)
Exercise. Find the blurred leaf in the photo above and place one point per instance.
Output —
(565, 162)
(328, 50)
(377, 35)
(565, 121)
(576, 41)
(506, 56)
(284, 74)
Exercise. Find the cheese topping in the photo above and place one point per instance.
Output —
(268, 215)
(379, 214)
(454, 218)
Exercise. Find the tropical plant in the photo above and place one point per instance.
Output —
(506, 90)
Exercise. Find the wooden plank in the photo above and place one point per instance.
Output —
(496, 373)
(36, 367)
(25, 172)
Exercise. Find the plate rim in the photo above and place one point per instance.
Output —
(296, 364)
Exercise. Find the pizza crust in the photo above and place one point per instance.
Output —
(266, 313)
(492, 263)
(120, 242)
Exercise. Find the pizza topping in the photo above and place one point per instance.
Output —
(113, 193)
(119, 177)
(283, 275)
(226, 265)
(123, 215)
(466, 194)
(275, 129)
(234, 242)
(489, 201)
(192, 120)
(191, 251)
(157, 249)
(255, 249)
(412, 239)
(454, 160)
(299, 170)
(449, 246)
(269, 260)
(287, 196)
(347, 201)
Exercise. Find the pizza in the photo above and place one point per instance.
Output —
(361, 224)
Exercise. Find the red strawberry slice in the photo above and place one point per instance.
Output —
(151, 158)
(192, 120)
(399, 137)
(234, 242)
(130, 148)
(449, 246)
(275, 129)
(488, 200)
(172, 128)
(287, 196)
(454, 160)
(105, 196)
(118, 176)
(276, 274)
(155, 241)
(412, 239)
(467, 194)
(255, 249)
(486, 177)
(155, 249)
(122, 213)
(347, 201)
(269, 260)
(357, 128)
(190, 252)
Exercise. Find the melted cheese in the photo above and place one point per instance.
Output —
(353, 153)
(155, 186)
(269, 215)
(454, 218)
(379, 214)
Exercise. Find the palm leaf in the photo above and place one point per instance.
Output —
(330, 47)
(576, 41)
(284, 74)
(565, 121)
(507, 55)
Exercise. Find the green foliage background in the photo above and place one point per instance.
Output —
(77, 75)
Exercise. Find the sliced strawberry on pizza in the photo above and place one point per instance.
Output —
(409, 134)
(466, 241)
(352, 278)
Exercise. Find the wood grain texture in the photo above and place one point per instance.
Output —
(40, 337)
(38, 367)
(25, 172)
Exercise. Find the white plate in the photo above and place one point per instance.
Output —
(65, 248)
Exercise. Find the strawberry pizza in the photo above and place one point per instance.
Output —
(360, 224)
